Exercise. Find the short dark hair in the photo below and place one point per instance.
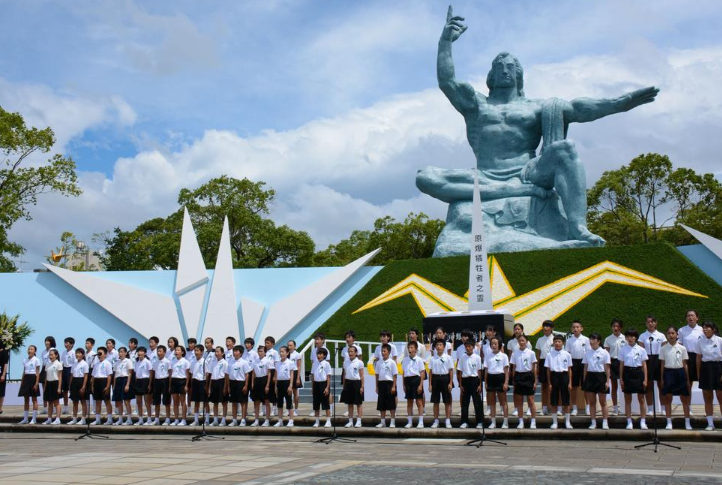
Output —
(69, 340)
(618, 322)
(651, 317)
(439, 341)
(239, 348)
(182, 349)
(491, 328)
(133, 340)
(595, 336)
(632, 332)
(101, 349)
(91, 340)
(320, 336)
(249, 340)
(386, 347)
(270, 339)
(111, 340)
(142, 349)
(162, 347)
(154, 339)
(558, 337)
(415, 330)
(350, 333)
(519, 325)
(548, 323)
(51, 339)
(413, 344)
(283, 347)
(470, 342)
(322, 351)
(385, 333)
(80, 351)
(232, 339)
(192, 340)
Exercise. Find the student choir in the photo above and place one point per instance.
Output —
(201, 381)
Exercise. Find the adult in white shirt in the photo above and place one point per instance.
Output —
(691, 336)
(675, 382)
(653, 341)
(709, 362)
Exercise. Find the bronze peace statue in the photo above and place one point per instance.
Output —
(530, 200)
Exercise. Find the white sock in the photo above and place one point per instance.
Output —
(544, 409)
(554, 418)
(350, 420)
(629, 421)
(710, 421)
(566, 418)
(533, 422)
(358, 421)
(25, 414)
(642, 422)
(393, 421)
(195, 416)
(605, 422)
(383, 421)
(686, 422)
(669, 421)
(35, 413)
(574, 408)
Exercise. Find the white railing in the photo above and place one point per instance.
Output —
(334, 348)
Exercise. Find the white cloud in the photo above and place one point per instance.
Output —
(337, 174)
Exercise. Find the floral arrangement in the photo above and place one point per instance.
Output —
(12, 333)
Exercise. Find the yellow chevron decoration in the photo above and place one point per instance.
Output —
(532, 308)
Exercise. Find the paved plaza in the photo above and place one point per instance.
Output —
(57, 458)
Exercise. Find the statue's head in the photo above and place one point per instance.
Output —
(505, 72)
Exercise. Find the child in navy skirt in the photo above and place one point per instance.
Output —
(261, 385)
(675, 377)
(30, 384)
(121, 389)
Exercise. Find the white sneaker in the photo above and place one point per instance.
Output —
(48, 421)
(315, 424)
(72, 421)
(554, 426)
(593, 426)
(420, 425)
(33, 421)
(24, 421)
(349, 424)
(290, 424)
(435, 424)
(505, 425)
(492, 425)
(166, 422)
(381, 425)
(195, 422)
(82, 422)
(392, 424)
(358, 424)
(295, 413)
(96, 422)
(515, 413)
(408, 425)
(688, 427)
(669, 426)
(254, 424)
(242, 424)
(266, 424)
(346, 413)
(57, 421)
(709, 428)
(223, 422)
(528, 412)
(278, 424)
(174, 423)
(233, 423)
(328, 424)
(448, 423)
(479, 426)
(630, 425)
(574, 412)
(183, 423)
(135, 412)
(568, 425)
(605, 426)
(520, 425)
(643, 426)
(532, 425)
(463, 426)
(313, 413)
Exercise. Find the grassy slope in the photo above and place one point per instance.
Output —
(530, 270)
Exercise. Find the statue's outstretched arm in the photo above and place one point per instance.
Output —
(582, 110)
(461, 94)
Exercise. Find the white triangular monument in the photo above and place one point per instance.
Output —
(191, 280)
(479, 279)
(222, 312)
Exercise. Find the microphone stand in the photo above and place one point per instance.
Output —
(88, 434)
(203, 435)
(334, 436)
(479, 442)
(655, 438)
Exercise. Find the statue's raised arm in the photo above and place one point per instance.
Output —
(461, 94)
(582, 110)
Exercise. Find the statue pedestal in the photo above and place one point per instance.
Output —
(476, 321)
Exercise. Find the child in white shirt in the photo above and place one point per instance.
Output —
(353, 386)
(414, 374)
(321, 375)
(597, 363)
(386, 372)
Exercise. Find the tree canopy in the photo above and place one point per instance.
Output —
(21, 182)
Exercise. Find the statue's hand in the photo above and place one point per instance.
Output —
(641, 96)
(541, 192)
(453, 28)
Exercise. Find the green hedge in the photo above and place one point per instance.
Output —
(530, 270)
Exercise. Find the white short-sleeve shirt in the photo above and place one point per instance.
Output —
(219, 370)
(273, 355)
(512, 345)
(711, 349)
(558, 360)
(633, 355)
(412, 366)
(262, 366)
(90, 358)
(52, 370)
(614, 343)
(238, 369)
(31, 364)
(320, 370)
(577, 346)
(653, 347)
(394, 352)
(67, 357)
(142, 368)
(691, 338)
(673, 356)
(344, 352)
(596, 360)
(180, 368)
(162, 368)
(103, 369)
(470, 365)
(461, 350)
(80, 368)
(123, 367)
(199, 371)
(352, 369)
(496, 363)
(284, 369)
(441, 364)
(386, 369)
(250, 355)
(544, 345)
(523, 360)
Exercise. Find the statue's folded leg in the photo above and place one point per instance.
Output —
(559, 167)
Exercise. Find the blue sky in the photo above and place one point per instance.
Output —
(333, 103)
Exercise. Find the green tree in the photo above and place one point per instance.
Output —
(21, 183)
(256, 242)
(72, 254)
(414, 238)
